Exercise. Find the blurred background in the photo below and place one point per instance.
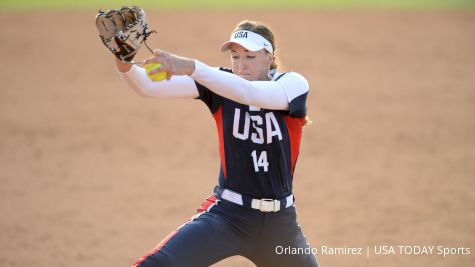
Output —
(92, 174)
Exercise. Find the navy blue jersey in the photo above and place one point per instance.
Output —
(258, 147)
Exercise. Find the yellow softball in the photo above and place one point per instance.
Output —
(156, 77)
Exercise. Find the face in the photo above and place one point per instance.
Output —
(252, 66)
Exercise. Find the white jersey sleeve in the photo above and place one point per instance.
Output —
(176, 87)
(277, 94)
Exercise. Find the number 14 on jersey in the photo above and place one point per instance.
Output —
(260, 161)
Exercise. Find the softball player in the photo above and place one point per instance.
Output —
(259, 115)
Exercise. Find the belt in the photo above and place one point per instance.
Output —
(264, 204)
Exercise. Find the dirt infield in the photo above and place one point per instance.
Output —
(93, 175)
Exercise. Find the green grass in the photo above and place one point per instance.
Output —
(223, 4)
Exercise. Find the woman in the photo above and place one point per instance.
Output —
(259, 115)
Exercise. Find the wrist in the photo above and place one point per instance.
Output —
(121, 66)
(190, 66)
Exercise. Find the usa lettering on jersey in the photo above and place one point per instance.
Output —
(256, 133)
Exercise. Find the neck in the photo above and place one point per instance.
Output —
(265, 76)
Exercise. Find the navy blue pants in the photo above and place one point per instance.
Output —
(223, 229)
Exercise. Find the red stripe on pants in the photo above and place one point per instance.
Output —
(157, 248)
(211, 200)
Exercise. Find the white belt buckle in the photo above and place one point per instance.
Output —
(268, 205)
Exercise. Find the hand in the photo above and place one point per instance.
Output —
(172, 64)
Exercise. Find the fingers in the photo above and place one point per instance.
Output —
(165, 66)
(162, 58)
(159, 57)
(169, 75)
(162, 68)
(156, 59)
(171, 64)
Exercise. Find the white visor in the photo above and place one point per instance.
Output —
(249, 40)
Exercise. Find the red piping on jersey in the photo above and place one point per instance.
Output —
(218, 116)
(294, 127)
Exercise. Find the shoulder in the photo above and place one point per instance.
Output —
(293, 78)
(294, 83)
